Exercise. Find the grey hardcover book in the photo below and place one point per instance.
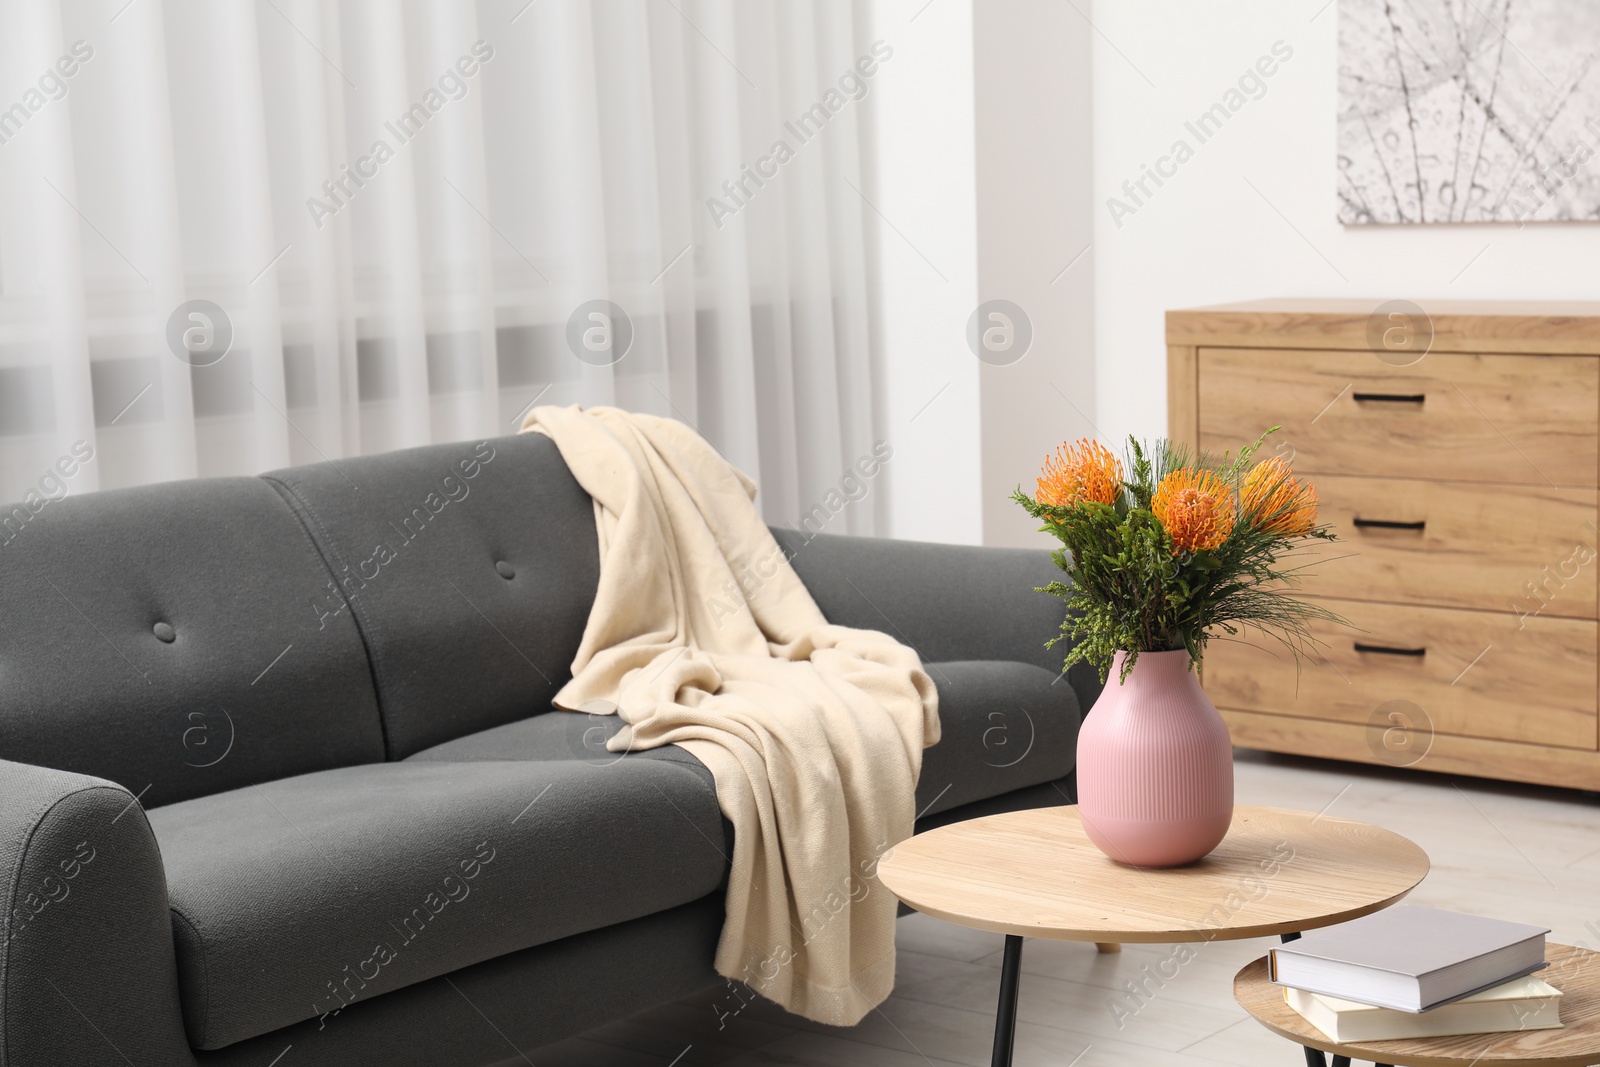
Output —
(1409, 958)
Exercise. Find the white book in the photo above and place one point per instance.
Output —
(1520, 1004)
(1408, 958)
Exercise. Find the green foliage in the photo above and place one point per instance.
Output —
(1131, 590)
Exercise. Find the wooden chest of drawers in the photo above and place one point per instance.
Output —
(1456, 449)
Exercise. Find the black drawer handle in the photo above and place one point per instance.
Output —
(1388, 650)
(1389, 398)
(1387, 524)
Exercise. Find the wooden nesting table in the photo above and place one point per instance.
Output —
(1036, 874)
(1574, 971)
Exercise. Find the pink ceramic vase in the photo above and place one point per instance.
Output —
(1155, 765)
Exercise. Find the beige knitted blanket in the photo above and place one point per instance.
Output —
(813, 732)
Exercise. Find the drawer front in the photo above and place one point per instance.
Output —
(1445, 754)
(1528, 549)
(1492, 418)
(1480, 674)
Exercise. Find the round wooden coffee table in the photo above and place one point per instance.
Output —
(1036, 874)
(1574, 971)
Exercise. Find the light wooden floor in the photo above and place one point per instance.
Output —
(1521, 853)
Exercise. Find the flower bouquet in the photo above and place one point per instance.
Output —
(1163, 555)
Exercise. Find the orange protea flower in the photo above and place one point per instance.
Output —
(1086, 471)
(1278, 503)
(1196, 507)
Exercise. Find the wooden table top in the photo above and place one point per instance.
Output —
(1037, 874)
(1574, 971)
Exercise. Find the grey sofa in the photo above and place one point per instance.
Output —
(278, 775)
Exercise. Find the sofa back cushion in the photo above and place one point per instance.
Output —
(160, 637)
(470, 570)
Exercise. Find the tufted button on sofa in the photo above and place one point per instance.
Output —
(278, 767)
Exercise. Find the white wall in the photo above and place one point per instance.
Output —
(922, 234)
(1035, 199)
(1206, 236)
(981, 171)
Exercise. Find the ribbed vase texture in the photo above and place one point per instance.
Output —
(1155, 765)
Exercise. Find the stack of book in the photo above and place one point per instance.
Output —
(1417, 972)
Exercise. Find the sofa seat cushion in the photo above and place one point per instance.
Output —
(557, 735)
(1004, 726)
(295, 898)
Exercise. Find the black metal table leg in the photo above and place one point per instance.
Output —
(1005, 1019)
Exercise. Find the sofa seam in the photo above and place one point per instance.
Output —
(205, 973)
(16, 883)
(291, 498)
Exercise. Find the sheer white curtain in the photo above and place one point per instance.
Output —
(399, 223)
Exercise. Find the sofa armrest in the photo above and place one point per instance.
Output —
(949, 602)
(87, 971)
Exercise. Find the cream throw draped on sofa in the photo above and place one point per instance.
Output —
(702, 635)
